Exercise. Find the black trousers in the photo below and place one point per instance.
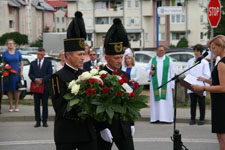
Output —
(44, 99)
(201, 102)
(78, 146)
(121, 143)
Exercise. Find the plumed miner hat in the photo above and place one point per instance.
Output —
(76, 34)
(116, 38)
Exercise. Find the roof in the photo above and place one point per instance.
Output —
(57, 3)
(13, 3)
(22, 2)
(42, 5)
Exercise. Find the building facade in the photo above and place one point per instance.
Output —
(139, 19)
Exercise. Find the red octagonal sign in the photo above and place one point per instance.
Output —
(214, 13)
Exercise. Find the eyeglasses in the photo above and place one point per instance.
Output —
(92, 54)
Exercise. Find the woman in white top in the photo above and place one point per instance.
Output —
(131, 69)
(60, 64)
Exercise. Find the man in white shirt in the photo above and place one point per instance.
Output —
(200, 70)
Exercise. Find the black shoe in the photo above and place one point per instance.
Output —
(37, 124)
(45, 124)
(201, 122)
(192, 122)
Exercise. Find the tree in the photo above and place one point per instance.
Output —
(182, 43)
(37, 43)
(20, 39)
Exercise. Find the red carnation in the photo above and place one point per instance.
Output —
(105, 90)
(7, 66)
(121, 81)
(135, 85)
(115, 72)
(124, 78)
(13, 71)
(119, 93)
(89, 91)
(103, 76)
(92, 81)
(132, 94)
(93, 92)
(5, 73)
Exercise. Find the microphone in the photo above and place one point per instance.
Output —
(202, 56)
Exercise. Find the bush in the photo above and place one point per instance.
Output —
(182, 43)
(20, 39)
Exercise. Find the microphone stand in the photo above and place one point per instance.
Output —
(176, 138)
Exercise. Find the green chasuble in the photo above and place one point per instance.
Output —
(166, 63)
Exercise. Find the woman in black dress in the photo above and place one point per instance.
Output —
(217, 89)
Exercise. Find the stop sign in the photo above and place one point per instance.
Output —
(214, 13)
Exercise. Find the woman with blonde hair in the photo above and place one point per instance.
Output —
(131, 69)
(13, 58)
(217, 89)
(87, 51)
(61, 63)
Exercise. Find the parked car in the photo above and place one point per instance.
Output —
(181, 56)
(142, 58)
(27, 59)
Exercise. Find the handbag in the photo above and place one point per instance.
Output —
(21, 85)
(37, 88)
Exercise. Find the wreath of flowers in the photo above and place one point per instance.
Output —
(103, 97)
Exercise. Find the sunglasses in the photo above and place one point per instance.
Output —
(92, 54)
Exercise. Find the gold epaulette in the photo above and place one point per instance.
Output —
(55, 86)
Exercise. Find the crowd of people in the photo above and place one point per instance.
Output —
(70, 131)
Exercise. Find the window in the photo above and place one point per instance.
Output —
(63, 30)
(62, 19)
(128, 3)
(202, 3)
(161, 36)
(142, 58)
(201, 35)
(159, 3)
(137, 21)
(137, 3)
(177, 35)
(10, 24)
(57, 19)
(58, 30)
(146, 37)
(89, 4)
(102, 20)
(177, 19)
(201, 19)
(128, 21)
(89, 36)
(81, 5)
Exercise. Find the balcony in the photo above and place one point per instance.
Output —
(102, 28)
(147, 8)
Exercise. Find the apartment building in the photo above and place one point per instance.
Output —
(28, 17)
(139, 19)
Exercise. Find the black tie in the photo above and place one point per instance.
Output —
(92, 63)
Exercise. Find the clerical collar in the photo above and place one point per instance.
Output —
(76, 69)
(109, 68)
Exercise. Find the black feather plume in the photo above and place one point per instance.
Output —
(76, 27)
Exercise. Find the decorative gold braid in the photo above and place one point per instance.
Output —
(57, 81)
(53, 88)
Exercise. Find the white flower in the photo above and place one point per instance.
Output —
(127, 88)
(94, 71)
(71, 84)
(102, 72)
(85, 76)
(75, 89)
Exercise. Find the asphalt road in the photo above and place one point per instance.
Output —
(22, 136)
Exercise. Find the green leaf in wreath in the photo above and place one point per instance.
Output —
(100, 109)
(68, 96)
(68, 107)
(74, 102)
(110, 112)
(118, 108)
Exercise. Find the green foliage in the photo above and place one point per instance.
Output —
(182, 43)
(20, 39)
(172, 46)
(37, 43)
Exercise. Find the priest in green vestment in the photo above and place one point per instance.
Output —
(160, 69)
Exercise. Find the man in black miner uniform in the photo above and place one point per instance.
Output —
(119, 131)
(70, 132)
